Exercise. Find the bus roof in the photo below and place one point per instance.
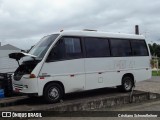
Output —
(100, 34)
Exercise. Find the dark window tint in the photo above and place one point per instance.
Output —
(66, 48)
(120, 47)
(139, 48)
(97, 47)
(58, 51)
(72, 45)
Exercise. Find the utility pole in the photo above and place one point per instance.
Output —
(136, 29)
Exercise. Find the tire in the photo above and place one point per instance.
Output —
(53, 93)
(127, 84)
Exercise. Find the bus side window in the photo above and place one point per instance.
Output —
(57, 52)
(139, 48)
(73, 47)
(65, 49)
(120, 48)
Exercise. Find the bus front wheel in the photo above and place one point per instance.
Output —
(53, 93)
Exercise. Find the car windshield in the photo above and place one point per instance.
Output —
(43, 45)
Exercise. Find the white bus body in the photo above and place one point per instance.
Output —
(73, 61)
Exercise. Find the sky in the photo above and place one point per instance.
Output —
(24, 22)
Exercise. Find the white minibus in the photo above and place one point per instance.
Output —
(74, 61)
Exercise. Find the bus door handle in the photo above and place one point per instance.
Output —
(118, 71)
(72, 75)
(100, 73)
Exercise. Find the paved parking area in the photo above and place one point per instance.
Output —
(152, 85)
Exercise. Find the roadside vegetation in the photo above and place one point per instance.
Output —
(155, 73)
(155, 50)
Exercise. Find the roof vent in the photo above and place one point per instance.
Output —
(89, 30)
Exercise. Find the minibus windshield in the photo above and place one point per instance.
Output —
(42, 46)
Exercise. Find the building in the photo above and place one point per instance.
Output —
(7, 64)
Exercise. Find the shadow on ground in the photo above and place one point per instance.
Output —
(74, 96)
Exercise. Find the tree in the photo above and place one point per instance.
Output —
(155, 50)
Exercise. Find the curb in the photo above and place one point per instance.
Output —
(11, 101)
(81, 104)
(99, 103)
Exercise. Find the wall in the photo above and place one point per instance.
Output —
(7, 64)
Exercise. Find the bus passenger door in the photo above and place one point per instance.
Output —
(96, 64)
(65, 63)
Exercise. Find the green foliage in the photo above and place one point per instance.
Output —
(155, 50)
(155, 73)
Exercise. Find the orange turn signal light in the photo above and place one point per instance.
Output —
(32, 76)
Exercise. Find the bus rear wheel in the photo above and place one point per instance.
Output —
(127, 84)
(53, 93)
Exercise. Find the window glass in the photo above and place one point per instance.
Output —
(58, 51)
(139, 48)
(66, 48)
(120, 47)
(72, 45)
(97, 47)
(41, 48)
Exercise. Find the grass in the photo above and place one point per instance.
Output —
(155, 73)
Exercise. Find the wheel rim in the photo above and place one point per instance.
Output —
(53, 93)
(127, 84)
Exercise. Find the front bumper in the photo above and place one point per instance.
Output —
(25, 85)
